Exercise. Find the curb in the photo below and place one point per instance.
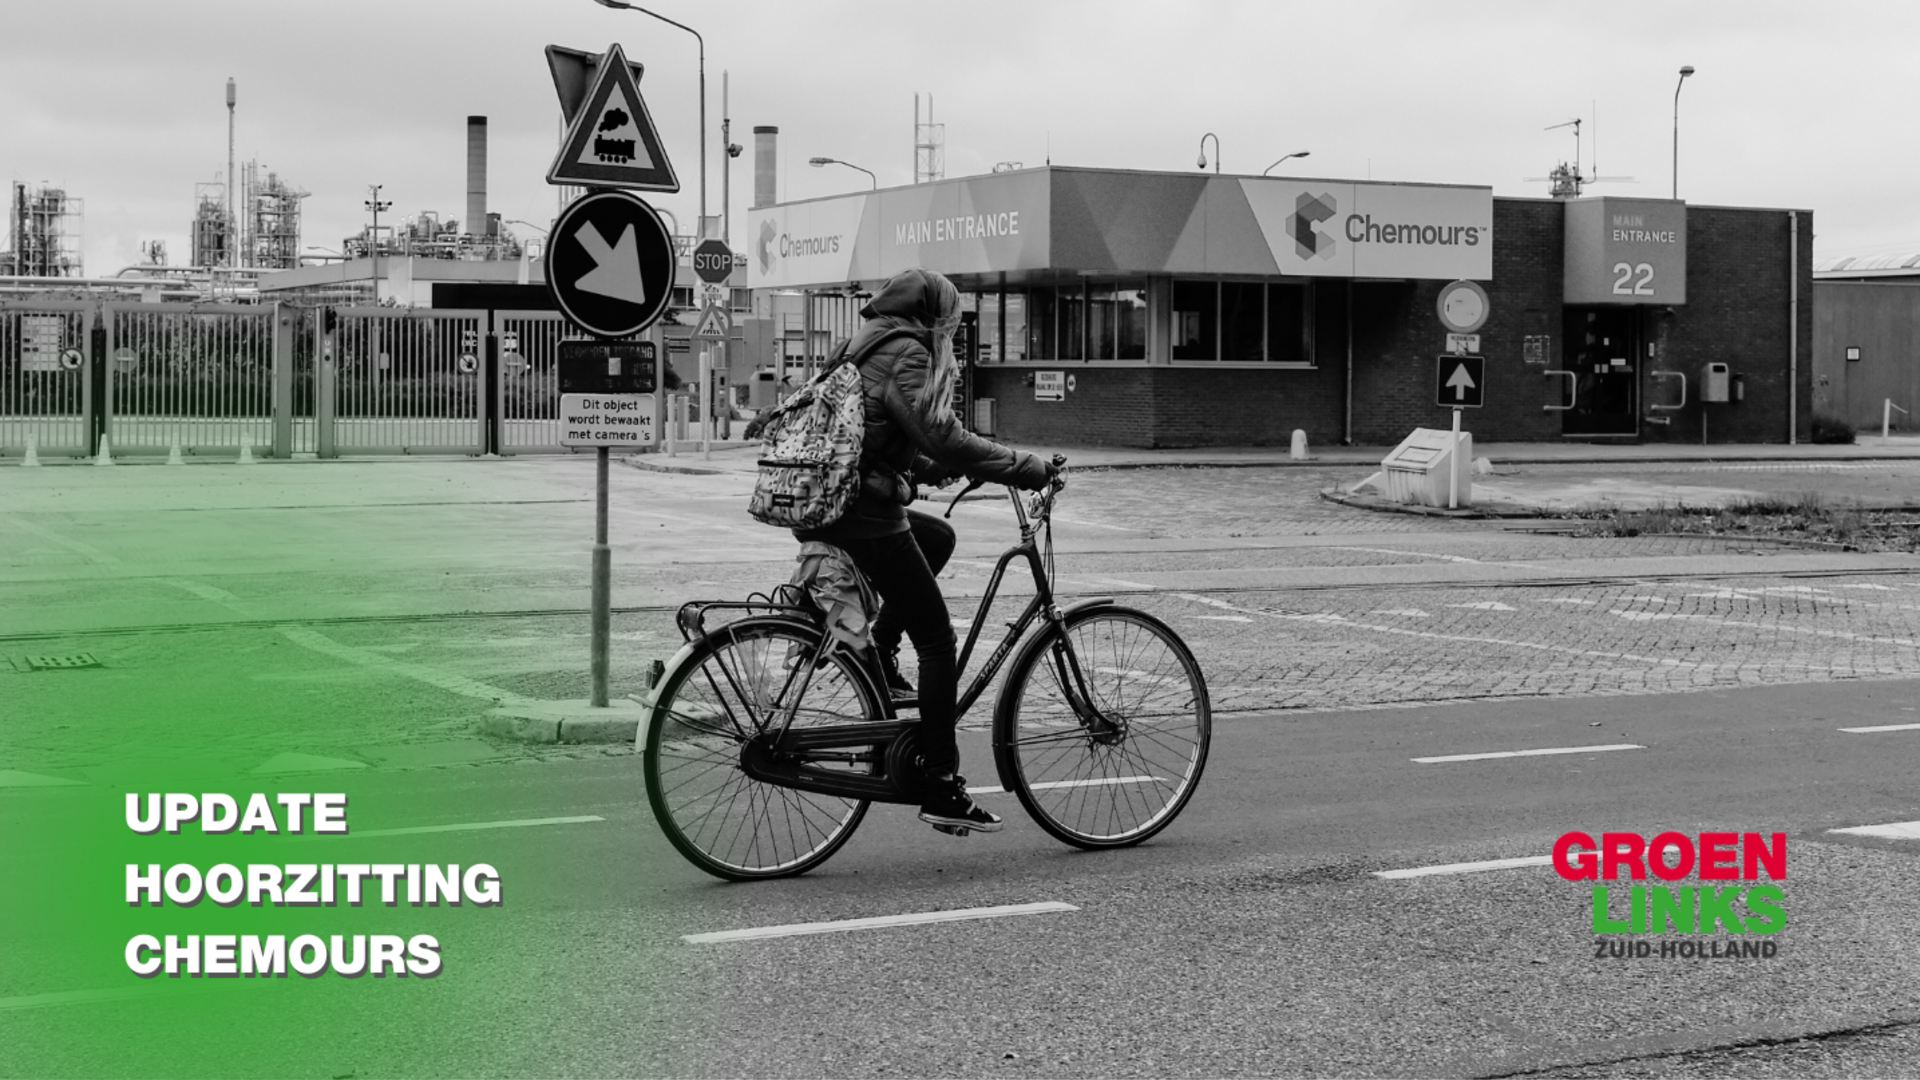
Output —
(1493, 511)
(566, 721)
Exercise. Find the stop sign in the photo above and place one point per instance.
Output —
(713, 262)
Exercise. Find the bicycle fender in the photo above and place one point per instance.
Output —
(1002, 708)
(650, 700)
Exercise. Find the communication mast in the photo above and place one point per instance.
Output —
(929, 145)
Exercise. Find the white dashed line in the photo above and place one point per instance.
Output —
(995, 789)
(1882, 727)
(1899, 830)
(1527, 753)
(840, 925)
(1415, 554)
(472, 826)
(1465, 867)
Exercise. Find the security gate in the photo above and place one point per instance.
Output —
(529, 386)
(400, 381)
(196, 378)
(46, 395)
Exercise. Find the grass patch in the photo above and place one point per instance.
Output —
(1808, 516)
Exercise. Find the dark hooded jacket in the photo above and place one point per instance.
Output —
(901, 445)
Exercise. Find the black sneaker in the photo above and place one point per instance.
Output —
(950, 809)
(897, 684)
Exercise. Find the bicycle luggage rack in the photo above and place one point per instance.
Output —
(691, 619)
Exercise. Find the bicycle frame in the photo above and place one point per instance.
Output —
(778, 753)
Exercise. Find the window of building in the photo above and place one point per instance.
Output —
(1072, 332)
(1043, 313)
(1289, 326)
(1117, 327)
(1196, 313)
(1242, 321)
(1013, 325)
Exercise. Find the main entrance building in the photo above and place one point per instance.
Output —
(1116, 307)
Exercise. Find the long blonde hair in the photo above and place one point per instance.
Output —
(945, 372)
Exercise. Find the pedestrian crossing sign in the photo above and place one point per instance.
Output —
(611, 141)
(713, 323)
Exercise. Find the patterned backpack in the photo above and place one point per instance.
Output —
(810, 446)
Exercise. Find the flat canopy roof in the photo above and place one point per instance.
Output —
(1058, 221)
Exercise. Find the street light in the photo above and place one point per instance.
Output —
(823, 161)
(1684, 72)
(622, 5)
(1295, 154)
(1216, 152)
(375, 204)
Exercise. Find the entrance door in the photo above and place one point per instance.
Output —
(1602, 349)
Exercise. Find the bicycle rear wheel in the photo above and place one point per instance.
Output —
(1108, 754)
(736, 683)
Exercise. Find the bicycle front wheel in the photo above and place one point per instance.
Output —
(1106, 728)
(738, 683)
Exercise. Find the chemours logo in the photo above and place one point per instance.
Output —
(773, 244)
(1308, 210)
(765, 245)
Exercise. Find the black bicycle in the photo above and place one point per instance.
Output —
(767, 739)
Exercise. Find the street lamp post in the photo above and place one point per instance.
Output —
(1275, 165)
(373, 239)
(622, 5)
(1684, 72)
(1216, 152)
(820, 162)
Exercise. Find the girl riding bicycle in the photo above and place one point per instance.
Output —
(912, 435)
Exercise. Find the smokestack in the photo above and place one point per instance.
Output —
(766, 142)
(477, 175)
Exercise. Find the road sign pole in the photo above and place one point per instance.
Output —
(1453, 465)
(602, 581)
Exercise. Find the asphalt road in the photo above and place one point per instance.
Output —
(368, 615)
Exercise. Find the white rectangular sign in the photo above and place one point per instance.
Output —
(606, 419)
(1049, 386)
(40, 342)
(1357, 229)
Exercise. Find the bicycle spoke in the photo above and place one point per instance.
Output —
(752, 678)
(1111, 730)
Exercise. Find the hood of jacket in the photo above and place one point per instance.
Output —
(909, 296)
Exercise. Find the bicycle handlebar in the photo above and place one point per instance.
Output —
(1056, 484)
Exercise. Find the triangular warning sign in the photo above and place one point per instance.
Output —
(713, 324)
(612, 141)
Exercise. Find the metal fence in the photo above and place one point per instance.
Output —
(401, 381)
(46, 395)
(231, 380)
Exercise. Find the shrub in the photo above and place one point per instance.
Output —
(1828, 428)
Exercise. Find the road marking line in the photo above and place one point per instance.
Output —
(1899, 830)
(1528, 753)
(1224, 618)
(1465, 867)
(995, 789)
(1417, 554)
(1485, 605)
(84, 997)
(1882, 727)
(16, 778)
(1409, 612)
(839, 925)
(445, 680)
(470, 826)
(1122, 582)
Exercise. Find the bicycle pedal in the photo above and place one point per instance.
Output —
(952, 830)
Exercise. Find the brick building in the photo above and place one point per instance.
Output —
(1129, 308)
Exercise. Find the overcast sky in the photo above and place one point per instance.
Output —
(1795, 105)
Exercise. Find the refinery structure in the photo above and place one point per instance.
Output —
(43, 233)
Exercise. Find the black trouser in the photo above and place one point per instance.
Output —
(901, 569)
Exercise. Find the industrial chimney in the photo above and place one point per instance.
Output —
(476, 222)
(765, 149)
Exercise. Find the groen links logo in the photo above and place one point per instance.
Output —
(1693, 909)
